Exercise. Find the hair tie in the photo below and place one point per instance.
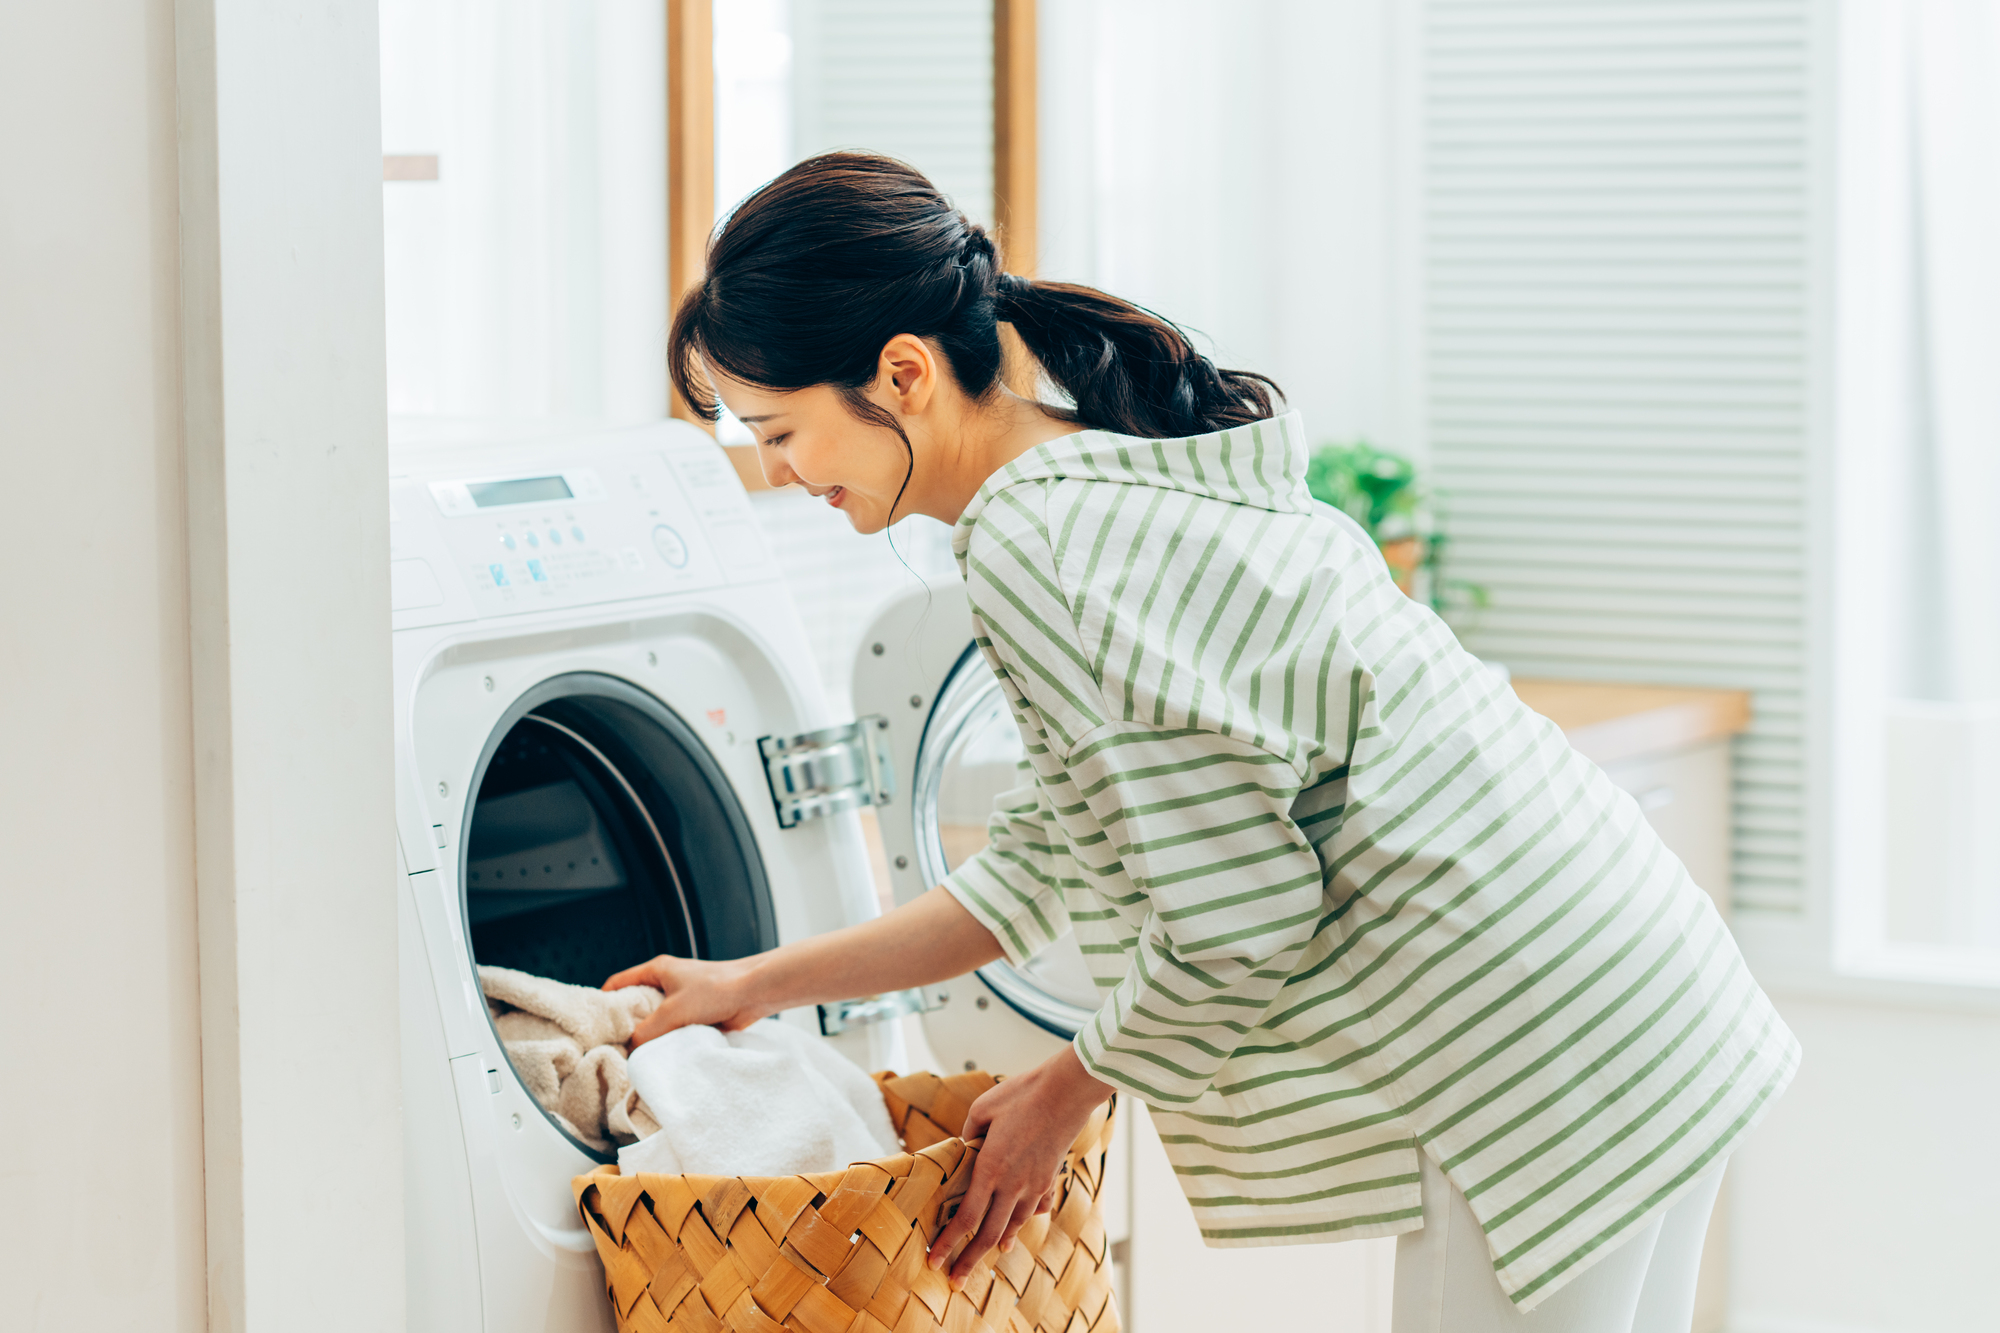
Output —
(1010, 289)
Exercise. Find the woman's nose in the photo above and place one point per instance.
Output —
(776, 471)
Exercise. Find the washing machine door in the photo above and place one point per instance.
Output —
(956, 749)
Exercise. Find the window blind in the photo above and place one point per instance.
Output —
(910, 78)
(1617, 243)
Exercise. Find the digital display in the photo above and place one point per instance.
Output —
(519, 491)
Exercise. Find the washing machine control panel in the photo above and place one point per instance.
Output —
(637, 514)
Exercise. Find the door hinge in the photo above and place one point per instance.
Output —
(829, 771)
(836, 1018)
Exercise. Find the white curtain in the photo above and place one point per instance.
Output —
(1929, 149)
(1231, 166)
(528, 279)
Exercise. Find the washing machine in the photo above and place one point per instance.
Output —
(612, 743)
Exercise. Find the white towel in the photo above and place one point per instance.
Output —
(567, 1043)
(770, 1100)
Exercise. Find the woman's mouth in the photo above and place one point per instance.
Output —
(836, 495)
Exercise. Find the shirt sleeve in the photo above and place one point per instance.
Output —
(1009, 885)
(1201, 823)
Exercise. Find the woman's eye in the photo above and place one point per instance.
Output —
(776, 440)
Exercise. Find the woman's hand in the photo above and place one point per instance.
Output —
(930, 939)
(1029, 1122)
(717, 994)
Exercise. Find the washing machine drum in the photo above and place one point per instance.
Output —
(601, 834)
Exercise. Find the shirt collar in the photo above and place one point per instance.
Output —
(1262, 465)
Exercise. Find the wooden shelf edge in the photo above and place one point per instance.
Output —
(1608, 722)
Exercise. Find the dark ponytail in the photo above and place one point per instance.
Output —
(813, 274)
(1127, 369)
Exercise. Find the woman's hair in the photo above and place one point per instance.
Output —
(814, 273)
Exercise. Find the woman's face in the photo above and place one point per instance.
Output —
(811, 437)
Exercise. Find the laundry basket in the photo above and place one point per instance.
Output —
(843, 1251)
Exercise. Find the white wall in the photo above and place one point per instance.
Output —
(1865, 1203)
(100, 1130)
(190, 251)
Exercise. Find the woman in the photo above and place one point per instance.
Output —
(1382, 953)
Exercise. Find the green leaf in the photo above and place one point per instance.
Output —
(1382, 492)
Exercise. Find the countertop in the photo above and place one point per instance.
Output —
(1609, 722)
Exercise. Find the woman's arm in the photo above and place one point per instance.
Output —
(929, 940)
(1028, 1122)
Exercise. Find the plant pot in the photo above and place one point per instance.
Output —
(1405, 556)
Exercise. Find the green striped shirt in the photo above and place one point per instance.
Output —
(1346, 898)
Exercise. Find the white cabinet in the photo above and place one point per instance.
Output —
(1685, 794)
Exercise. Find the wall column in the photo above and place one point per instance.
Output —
(287, 509)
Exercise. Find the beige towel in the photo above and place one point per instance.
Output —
(568, 1045)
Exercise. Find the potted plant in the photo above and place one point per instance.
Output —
(1383, 492)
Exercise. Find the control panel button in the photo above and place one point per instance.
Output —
(670, 546)
(499, 573)
(533, 540)
(577, 533)
(555, 537)
(535, 572)
(507, 540)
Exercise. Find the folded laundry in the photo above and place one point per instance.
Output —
(567, 1043)
(770, 1100)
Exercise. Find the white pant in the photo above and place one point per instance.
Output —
(1445, 1281)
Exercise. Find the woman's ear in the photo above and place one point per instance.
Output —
(907, 375)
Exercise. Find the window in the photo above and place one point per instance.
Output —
(1917, 602)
